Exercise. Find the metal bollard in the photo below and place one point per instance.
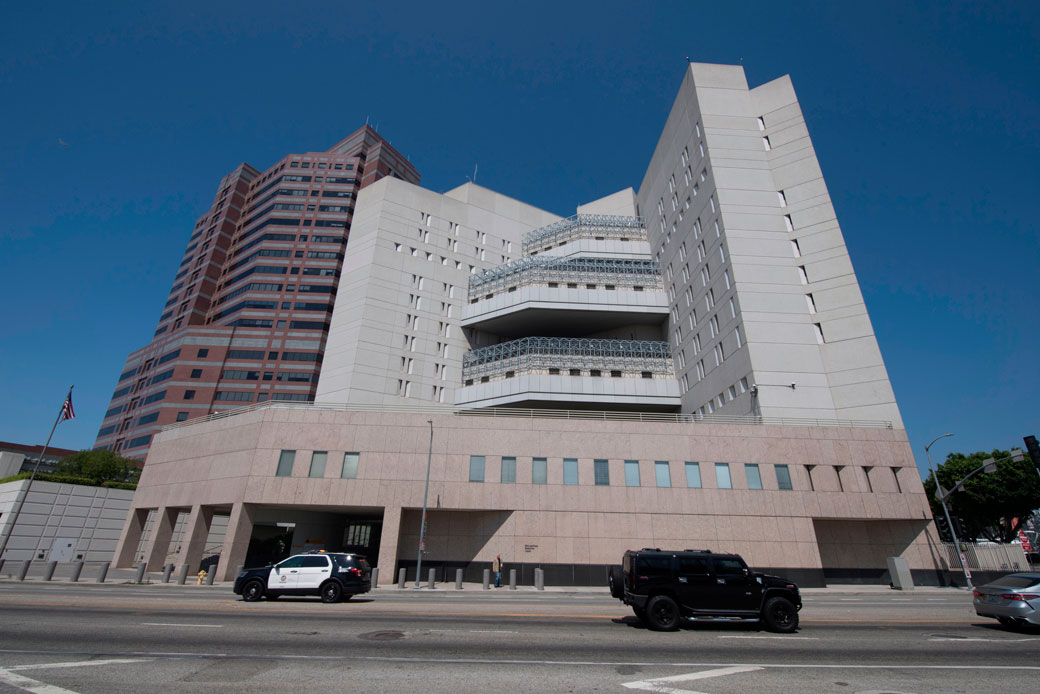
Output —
(432, 582)
(182, 577)
(139, 578)
(375, 578)
(24, 569)
(512, 579)
(401, 577)
(48, 573)
(210, 575)
(539, 579)
(166, 571)
(77, 569)
(487, 579)
(102, 572)
(458, 579)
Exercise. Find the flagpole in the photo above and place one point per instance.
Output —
(14, 521)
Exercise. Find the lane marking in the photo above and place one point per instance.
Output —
(657, 684)
(151, 655)
(785, 638)
(173, 624)
(984, 640)
(37, 687)
(84, 663)
(30, 685)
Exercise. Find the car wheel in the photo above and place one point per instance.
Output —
(662, 614)
(780, 615)
(640, 613)
(331, 592)
(616, 581)
(252, 591)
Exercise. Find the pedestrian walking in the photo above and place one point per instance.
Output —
(496, 566)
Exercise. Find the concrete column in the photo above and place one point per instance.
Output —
(236, 542)
(388, 540)
(193, 544)
(158, 545)
(126, 548)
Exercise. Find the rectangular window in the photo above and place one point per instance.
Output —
(601, 470)
(693, 475)
(508, 469)
(285, 464)
(350, 465)
(631, 473)
(539, 470)
(722, 477)
(182, 416)
(783, 477)
(662, 473)
(570, 470)
(754, 476)
(476, 468)
(318, 459)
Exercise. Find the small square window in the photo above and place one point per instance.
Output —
(539, 470)
(196, 373)
(476, 468)
(285, 464)
(570, 470)
(203, 353)
(631, 473)
(350, 465)
(182, 416)
(189, 395)
(318, 460)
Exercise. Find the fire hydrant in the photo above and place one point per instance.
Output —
(202, 576)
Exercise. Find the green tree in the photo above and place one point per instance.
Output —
(100, 465)
(993, 505)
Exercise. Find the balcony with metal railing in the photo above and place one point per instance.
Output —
(573, 370)
(635, 274)
(584, 226)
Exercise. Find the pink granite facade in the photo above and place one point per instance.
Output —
(856, 495)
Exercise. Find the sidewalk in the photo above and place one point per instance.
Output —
(63, 572)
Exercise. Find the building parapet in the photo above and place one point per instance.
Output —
(541, 413)
(563, 354)
(598, 226)
(632, 273)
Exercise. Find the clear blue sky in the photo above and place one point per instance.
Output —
(924, 115)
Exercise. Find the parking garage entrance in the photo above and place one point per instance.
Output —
(282, 532)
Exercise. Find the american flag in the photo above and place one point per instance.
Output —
(66, 409)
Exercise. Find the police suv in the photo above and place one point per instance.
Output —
(330, 575)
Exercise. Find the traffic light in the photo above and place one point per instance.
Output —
(944, 528)
(959, 527)
(1034, 450)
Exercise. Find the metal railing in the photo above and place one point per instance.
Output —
(597, 226)
(546, 270)
(987, 557)
(543, 353)
(528, 413)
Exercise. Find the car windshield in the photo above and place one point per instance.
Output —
(1017, 581)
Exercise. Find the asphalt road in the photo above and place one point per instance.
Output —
(60, 638)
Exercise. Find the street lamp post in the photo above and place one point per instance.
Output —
(426, 493)
(946, 511)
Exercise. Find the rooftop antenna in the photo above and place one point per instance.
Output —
(474, 173)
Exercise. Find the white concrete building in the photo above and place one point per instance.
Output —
(689, 365)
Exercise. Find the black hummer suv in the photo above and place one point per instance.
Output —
(664, 587)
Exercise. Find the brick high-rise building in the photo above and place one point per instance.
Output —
(248, 313)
